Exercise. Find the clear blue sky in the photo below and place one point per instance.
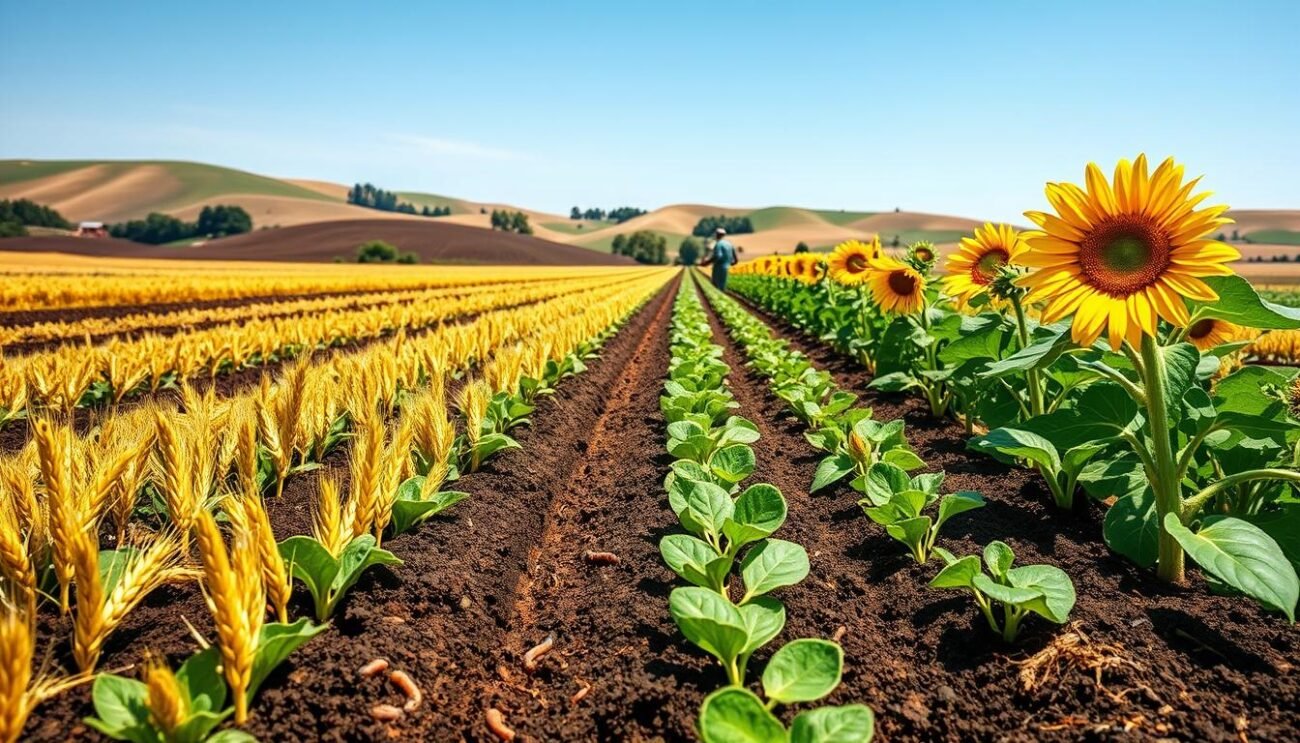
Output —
(952, 107)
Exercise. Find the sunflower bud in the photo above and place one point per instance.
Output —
(922, 255)
(859, 448)
(1293, 397)
(1004, 287)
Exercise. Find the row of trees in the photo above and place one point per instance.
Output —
(733, 225)
(618, 216)
(17, 215)
(511, 221)
(642, 246)
(378, 251)
(157, 229)
(373, 197)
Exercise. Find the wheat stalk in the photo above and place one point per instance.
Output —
(328, 525)
(54, 449)
(274, 575)
(367, 472)
(17, 647)
(99, 613)
(169, 707)
(237, 601)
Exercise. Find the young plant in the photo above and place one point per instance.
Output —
(166, 707)
(419, 499)
(327, 576)
(802, 671)
(1044, 590)
(696, 438)
(857, 443)
(897, 502)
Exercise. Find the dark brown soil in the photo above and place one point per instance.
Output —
(322, 242)
(1196, 666)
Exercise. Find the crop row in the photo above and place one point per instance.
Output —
(877, 460)
(221, 460)
(68, 377)
(1197, 461)
(101, 326)
(45, 287)
(726, 528)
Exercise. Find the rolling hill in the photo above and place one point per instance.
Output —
(117, 190)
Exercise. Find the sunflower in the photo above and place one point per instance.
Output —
(979, 259)
(1210, 332)
(847, 264)
(897, 287)
(1119, 257)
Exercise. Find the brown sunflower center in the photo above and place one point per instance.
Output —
(924, 254)
(902, 283)
(986, 268)
(1124, 254)
(856, 263)
(1201, 329)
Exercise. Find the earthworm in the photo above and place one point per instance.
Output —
(601, 558)
(840, 632)
(580, 694)
(386, 712)
(540, 649)
(497, 724)
(404, 682)
(378, 665)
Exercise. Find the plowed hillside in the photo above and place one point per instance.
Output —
(432, 240)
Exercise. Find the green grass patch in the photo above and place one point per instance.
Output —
(579, 227)
(1275, 237)
(840, 218)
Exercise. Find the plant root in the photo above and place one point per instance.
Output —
(532, 656)
(497, 725)
(1071, 649)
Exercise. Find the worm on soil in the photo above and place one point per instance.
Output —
(580, 694)
(376, 666)
(497, 724)
(601, 558)
(840, 632)
(386, 712)
(404, 682)
(542, 648)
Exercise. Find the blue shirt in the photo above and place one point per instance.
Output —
(723, 254)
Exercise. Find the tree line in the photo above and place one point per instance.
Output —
(158, 229)
(618, 216)
(511, 221)
(17, 215)
(733, 225)
(373, 197)
(642, 246)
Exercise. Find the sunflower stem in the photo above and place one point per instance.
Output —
(1032, 376)
(1165, 482)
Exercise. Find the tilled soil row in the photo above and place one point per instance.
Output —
(1183, 663)
(442, 616)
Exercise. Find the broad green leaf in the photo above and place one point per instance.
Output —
(1056, 587)
(831, 469)
(1243, 556)
(760, 510)
(1132, 529)
(904, 458)
(959, 502)
(733, 463)
(311, 563)
(200, 676)
(708, 505)
(1014, 595)
(709, 620)
(1011, 444)
(764, 619)
(1284, 526)
(803, 671)
(884, 480)
(688, 557)
(957, 573)
(1238, 302)
(998, 557)
(276, 643)
(1180, 361)
(122, 709)
(1037, 355)
(358, 555)
(772, 564)
(736, 715)
(851, 723)
(910, 532)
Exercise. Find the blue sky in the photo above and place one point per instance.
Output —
(951, 107)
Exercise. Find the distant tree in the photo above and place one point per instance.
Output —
(1234, 236)
(376, 251)
(372, 197)
(575, 213)
(408, 258)
(222, 220)
(644, 246)
(688, 253)
(894, 243)
(1220, 237)
(519, 223)
(895, 210)
(802, 247)
(155, 229)
(31, 214)
(12, 229)
(619, 245)
(733, 225)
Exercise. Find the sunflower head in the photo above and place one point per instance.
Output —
(984, 262)
(1293, 397)
(1123, 254)
(847, 264)
(921, 255)
(897, 287)
(1207, 333)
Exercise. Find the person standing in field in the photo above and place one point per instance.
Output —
(722, 258)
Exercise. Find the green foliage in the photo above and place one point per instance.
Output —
(327, 577)
(1044, 590)
(378, 251)
(733, 225)
(802, 247)
(897, 502)
(27, 213)
(688, 253)
(158, 229)
(643, 246)
(510, 221)
(372, 197)
(617, 216)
